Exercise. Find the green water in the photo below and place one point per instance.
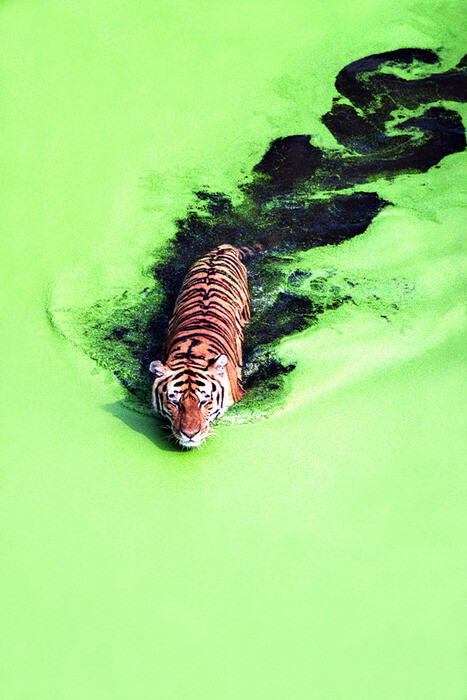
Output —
(316, 554)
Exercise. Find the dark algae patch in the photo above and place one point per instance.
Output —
(388, 119)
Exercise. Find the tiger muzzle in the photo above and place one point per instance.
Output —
(190, 418)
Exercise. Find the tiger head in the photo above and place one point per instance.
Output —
(191, 398)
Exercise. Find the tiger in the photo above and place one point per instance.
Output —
(200, 377)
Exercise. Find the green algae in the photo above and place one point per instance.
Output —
(300, 196)
(318, 554)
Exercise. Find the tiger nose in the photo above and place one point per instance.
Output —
(189, 434)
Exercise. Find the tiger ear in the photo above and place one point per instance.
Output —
(157, 368)
(217, 367)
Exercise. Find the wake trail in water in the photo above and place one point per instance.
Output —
(389, 121)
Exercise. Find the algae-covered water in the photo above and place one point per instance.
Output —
(315, 546)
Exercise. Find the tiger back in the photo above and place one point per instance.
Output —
(200, 373)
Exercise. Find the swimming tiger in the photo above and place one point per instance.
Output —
(200, 373)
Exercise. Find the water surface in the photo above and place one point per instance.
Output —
(318, 553)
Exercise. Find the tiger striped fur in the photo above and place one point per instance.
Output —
(200, 375)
